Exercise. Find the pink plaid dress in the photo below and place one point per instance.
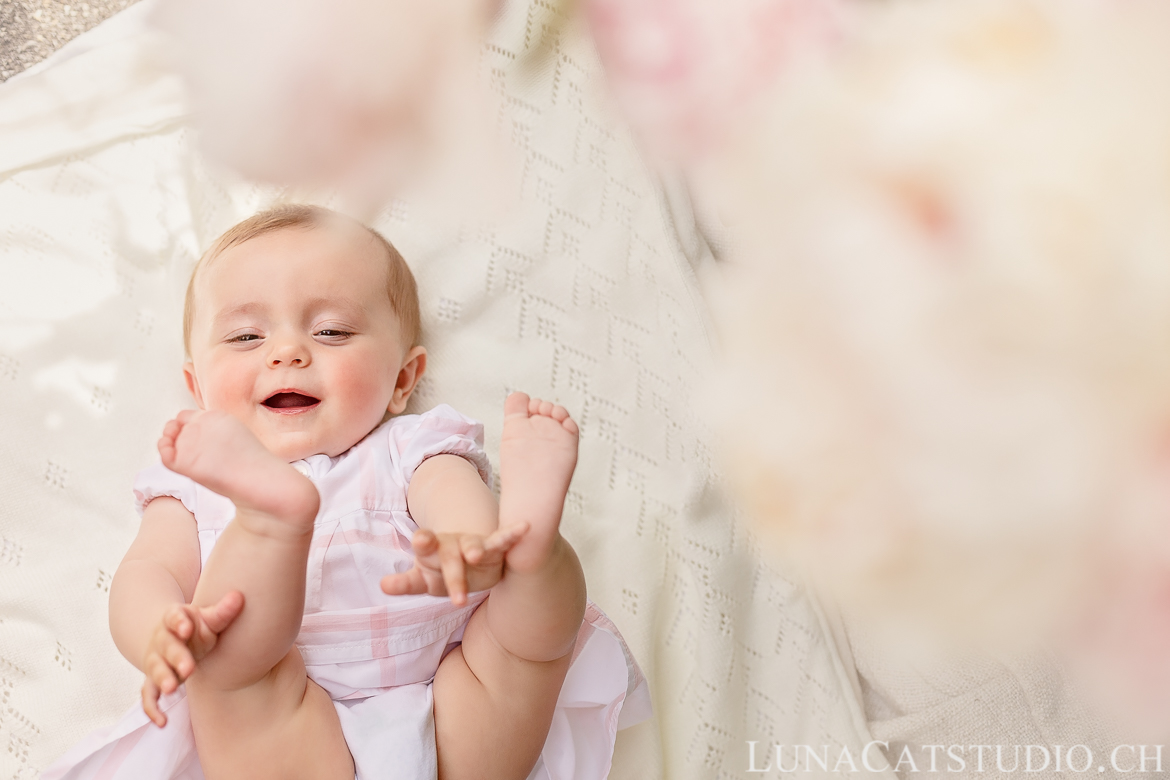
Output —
(376, 655)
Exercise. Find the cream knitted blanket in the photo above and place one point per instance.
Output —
(586, 294)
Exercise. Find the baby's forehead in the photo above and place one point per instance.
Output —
(338, 253)
(337, 237)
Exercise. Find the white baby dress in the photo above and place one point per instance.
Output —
(376, 654)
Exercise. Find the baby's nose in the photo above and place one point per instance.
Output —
(289, 353)
(276, 361)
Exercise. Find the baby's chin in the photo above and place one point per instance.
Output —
(292, 446)
(299, 436)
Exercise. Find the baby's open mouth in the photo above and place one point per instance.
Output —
(290, 400)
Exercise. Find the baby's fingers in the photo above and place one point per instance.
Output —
(181, 662)
(404, 584)
(160, 673)
(220, 615)
(504, 539)
(424, 543)
(472, 548)
(178, 622)
(150, 694)
(454, 577)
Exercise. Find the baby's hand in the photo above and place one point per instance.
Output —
(184, 636)
(454, 564)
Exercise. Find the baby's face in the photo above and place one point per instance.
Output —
(294, 336)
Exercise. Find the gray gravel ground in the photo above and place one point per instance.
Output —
(31, 30)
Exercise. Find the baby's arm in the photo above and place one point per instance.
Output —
(150, 618)
(458, 546)
(447, 495)
(159, 570)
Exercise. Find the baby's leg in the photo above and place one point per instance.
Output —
(254, 711)
(495, 695)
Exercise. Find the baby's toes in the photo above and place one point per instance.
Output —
(166, 442)
(516, 403)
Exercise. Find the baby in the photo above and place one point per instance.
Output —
(247, 598)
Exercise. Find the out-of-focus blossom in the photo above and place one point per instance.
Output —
(363, 96)
(687, 71)
(358, 95)
(947, 331)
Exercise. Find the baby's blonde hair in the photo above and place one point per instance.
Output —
(400, 285)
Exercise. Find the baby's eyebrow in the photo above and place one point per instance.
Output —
(344, 305)
(222, 317)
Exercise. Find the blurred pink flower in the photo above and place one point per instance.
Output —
(685, 71)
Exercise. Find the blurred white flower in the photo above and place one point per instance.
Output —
(366, 96)
(947, 332)
(358, 95)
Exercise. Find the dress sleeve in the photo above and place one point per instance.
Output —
(212, 511)
(441, 431)
(158, 481)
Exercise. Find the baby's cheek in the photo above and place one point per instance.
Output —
(364, 386)
(227, 388)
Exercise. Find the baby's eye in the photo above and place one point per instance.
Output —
(333, 333)
(244, 337)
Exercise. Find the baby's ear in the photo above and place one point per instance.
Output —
(192, 383)
(412, 370)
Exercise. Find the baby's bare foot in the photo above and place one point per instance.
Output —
(538, 452)
(217, 451)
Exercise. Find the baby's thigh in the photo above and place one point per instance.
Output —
(492, 709)
(283, 727)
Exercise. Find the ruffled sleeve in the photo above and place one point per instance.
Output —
(441, 431)
(212, 511)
